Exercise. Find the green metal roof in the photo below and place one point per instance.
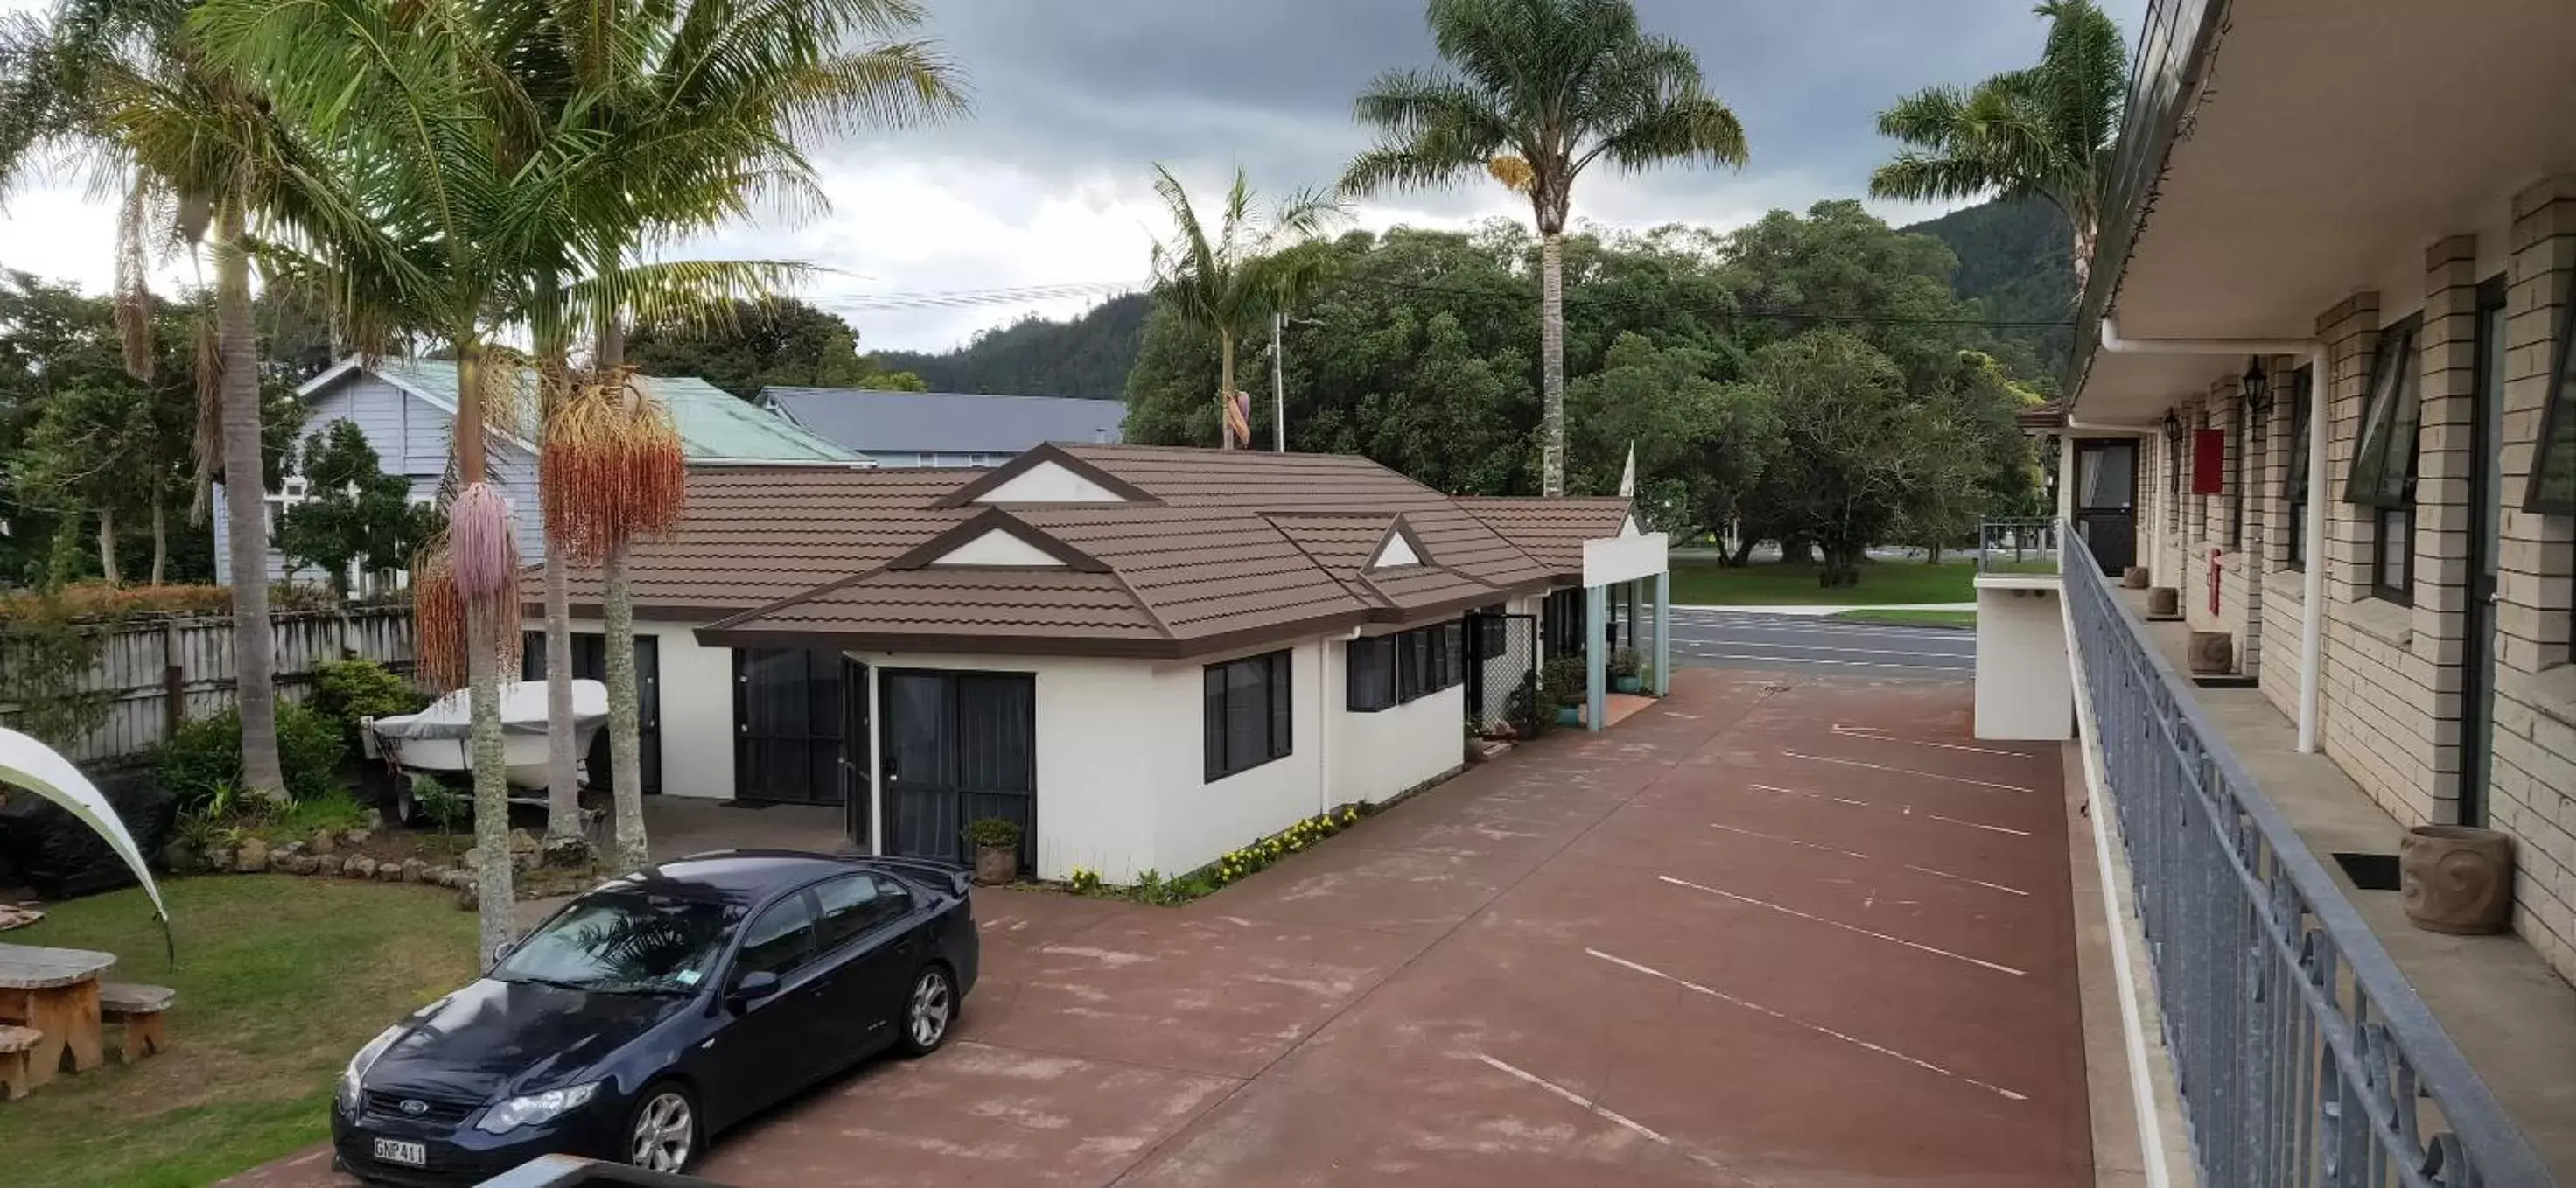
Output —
(714, 426)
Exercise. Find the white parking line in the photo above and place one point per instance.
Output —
(1793, 841)
(1893, 940)
(1928, 775)
(1877, 735)
(1817, 1028)
(1901, 809)
(1789, 647)
(1836, 663)
(1605, 1113)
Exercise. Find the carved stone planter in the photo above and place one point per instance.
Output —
(2134, 577)
(2456, 879)
(2164, 604)
(996, 865)
(2212, 653)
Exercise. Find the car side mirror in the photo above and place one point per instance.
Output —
(753, 988)
(502, 953)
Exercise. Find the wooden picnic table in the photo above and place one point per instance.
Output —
(55, 991)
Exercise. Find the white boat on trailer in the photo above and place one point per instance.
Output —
(438, 741)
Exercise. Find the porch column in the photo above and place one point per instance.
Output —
(1664, 634)
(1596, 606)
(1636, 590)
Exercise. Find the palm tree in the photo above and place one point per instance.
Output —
(115, 84)
(713, 111)
(2044, 132)
(1232, 282)
(1533, 92)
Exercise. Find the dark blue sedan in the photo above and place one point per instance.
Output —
(660, 1008)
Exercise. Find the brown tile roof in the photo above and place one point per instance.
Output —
(1550, 531)
(1213, 549)
(751, 535)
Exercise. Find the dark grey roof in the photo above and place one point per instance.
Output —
(870, 421)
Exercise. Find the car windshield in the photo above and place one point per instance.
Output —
(624, 944)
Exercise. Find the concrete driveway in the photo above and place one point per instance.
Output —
(1778, 930)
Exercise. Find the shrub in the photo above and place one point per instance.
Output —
(1626, 663)
(993, 832)
(204, 756)
(1562, 682)
(347, 690)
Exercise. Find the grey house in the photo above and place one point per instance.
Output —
(405, 407)
(943, 428)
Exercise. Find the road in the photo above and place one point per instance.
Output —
(1824, 647)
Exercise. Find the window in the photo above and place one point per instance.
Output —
(2383, 473)
(855, 906)
(1372, 673)
(2294, 486)
(1390, 670)
(778, 940)
(2553, 475)
(1247, 713)
(624, 943)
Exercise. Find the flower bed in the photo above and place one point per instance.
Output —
(1233, 866)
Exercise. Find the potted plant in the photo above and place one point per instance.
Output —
(1625, 667)
(996, 843)
(1562, 684)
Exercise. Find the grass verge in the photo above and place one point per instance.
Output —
(279, 980)
(1705, 583)
(1910, 618)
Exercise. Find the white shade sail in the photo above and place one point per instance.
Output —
(29, 764)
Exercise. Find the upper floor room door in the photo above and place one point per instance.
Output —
(2106, 500)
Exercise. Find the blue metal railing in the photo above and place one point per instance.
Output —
(2017, 546)
(2302, 1055)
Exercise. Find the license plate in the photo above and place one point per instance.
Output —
(398, 1151)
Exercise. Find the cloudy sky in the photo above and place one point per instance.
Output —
(1048, 182)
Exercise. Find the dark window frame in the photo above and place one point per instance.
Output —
(1277, 690)
(801, 899)
(1418, 662)
(2556, 447)
(2374, 480)
(2294, 480)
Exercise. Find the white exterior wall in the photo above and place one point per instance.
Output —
(1198, 821)
(696, 687)
(1375, 756)
(2025, 689)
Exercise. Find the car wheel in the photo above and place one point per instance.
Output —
(928, 1012)
(664, 1135)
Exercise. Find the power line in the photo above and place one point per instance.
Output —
(1026, 294)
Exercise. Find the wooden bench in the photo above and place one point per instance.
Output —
(140, 1009)
(17, 1055)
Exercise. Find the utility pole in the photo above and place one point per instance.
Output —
(1278, 386)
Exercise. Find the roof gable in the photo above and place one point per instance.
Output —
(1047, 474)
(997, 539)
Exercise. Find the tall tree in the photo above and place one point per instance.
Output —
(1230, 282)
(1534, 92)
(359, 517)
(784, 343)
(119, 86)
(2046, 131)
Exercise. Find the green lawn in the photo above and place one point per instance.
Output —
(279, 979)
(1706, 583)
(1910, 618)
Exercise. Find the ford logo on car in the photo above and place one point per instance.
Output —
(414, 1106)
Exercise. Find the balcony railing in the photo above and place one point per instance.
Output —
(2302, 1055)
(2018, 546)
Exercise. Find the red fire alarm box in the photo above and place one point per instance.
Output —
(2208, 461)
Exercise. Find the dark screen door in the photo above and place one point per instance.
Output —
(959, 747)
(787, 725)
(2486, 520)
(590, 663)
(2106, 501)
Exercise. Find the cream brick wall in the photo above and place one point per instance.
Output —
(2393, 692)
(2533, 792)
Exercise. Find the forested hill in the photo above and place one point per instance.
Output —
(2015, 258)
(1087, 357)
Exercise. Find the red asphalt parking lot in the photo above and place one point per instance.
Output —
(1777, 930)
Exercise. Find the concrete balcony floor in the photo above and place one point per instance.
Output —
(2512, 1016)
